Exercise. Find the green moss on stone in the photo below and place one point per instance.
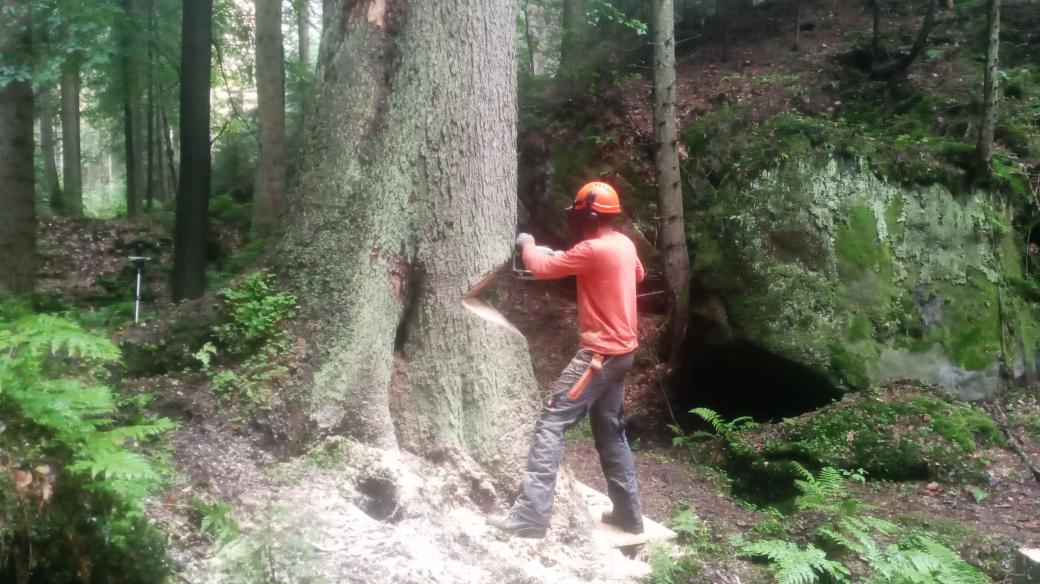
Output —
(859, 328)
(856, 243)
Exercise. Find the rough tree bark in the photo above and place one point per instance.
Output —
(984, 147)
(269, 195)
(192, 224)
(71, 165)
(669, 184)
(133, 111)
(46, 102)
(406, 201)
(17, 183)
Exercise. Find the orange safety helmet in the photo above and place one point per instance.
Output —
(597, 197)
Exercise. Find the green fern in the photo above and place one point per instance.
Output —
(794, 565)
(721, 426)
(922, 560)
(823, 492)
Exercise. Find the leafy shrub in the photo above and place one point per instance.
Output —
(73, 473)
(251, 312)
(853, 535)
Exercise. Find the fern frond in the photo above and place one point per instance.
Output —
(794, 565)
(710, 416)
(40, 334)
(116, 465)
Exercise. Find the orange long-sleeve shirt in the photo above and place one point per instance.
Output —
(607, 268)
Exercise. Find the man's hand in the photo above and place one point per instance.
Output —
(524, 239)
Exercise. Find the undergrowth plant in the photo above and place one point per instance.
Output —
(251, 312)
(850, 538)
(726, 430)
(249, 331)
(74, 471)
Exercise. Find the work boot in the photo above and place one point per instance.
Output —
(634, 526)
(517, 527)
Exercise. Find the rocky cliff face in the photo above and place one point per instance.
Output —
(823, 263)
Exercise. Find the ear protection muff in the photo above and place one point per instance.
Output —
(590, 211)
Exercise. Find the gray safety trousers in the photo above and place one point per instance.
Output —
(603, 400)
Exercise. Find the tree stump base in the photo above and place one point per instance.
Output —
(1027, 566)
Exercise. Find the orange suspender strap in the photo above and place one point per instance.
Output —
(579, 386)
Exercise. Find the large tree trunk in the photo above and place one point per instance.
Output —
(133, 110)
(192, 228)
(17, 182)
(984, 147)
(71, 165)
(406, 201)
(269, 196)
(48, 111)
(669, 184)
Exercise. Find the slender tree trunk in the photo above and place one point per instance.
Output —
(984, 147)
(574, 47)
(150, 141)
(192, 228)
(160, 162)
(722, 13)
(303, 32)
(133, 110)
(269, 196)
(168, 149)
(875, 39)
(48, 150)
(669, 183)
(406, 201)
(798, 26)
(17, 180)
(71, 165)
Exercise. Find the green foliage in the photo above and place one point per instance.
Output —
(914, 559)
(722, 427)
(896, 436)
(75, 468)
(792, 564)
(251, 312)
(216, 520)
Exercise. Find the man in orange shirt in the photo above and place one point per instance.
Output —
(607, 268)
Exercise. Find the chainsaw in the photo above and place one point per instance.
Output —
(519, 269)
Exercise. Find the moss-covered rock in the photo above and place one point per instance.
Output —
(903, 432)
(822, 261)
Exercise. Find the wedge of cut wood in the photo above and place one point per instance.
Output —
(598, 503)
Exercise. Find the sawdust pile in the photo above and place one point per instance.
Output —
(369, 515)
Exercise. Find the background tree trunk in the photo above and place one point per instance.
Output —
(133, 110)
(797, 25)
(168, 150)
(192, 226)
(875, 39)
(669, 183)
(574, 47)
(303, 31)
(269, 196)
(407, 200)
(71, 165)
(48, 151)
(984, 147)
(17, 180)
